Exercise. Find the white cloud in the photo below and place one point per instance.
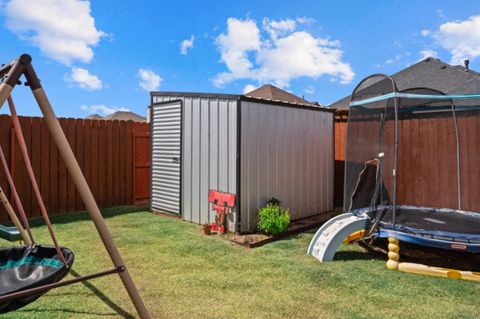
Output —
(310, 89)
(63, 30)
(102, 109)
(149, 80)
(278, 28)
(425, 32)
(428, 53)
(282, 55)
(249, 88)
(84, 79)
(397, 58)
(186, 45)
(305, 20)
(241, 38)
(460, 38)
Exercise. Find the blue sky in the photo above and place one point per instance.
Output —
(106, 55)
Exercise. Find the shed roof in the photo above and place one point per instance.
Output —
(266, 99)
(434, 74)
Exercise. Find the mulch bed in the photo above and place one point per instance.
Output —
(252, 240)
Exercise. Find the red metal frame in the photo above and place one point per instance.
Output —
(221, 204)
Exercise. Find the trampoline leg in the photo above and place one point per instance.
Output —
(393, 253)
(87, 197)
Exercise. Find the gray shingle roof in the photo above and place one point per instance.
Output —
(119, 115)
(272, 93)
(431, 73)
(125, 116)
(94, 117)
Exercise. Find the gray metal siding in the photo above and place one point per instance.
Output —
(209, 149)
(166, 144)
(286, 153)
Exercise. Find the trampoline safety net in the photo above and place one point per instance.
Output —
(412, 160)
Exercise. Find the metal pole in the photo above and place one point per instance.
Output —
(395, 161)
(41, 289)
(459, 172)
(87, 197)
(13, 216)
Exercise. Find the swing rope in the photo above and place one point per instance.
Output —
(31, 174)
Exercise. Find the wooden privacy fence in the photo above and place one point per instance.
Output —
(104, 150)
(427, 171)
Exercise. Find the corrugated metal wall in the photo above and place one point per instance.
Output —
(209, 152)
(286, 153)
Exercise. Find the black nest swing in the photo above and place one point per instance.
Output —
(26, 267)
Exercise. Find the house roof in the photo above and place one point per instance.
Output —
(120, 116)
(94, 117)
(434, 74)
(125, 116)
(272, 93)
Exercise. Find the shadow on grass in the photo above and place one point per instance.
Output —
(82, 216)
(357, 255)
(118, 310)
(69, 311)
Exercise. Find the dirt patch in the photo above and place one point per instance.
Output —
(255, 239)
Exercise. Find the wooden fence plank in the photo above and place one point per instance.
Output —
(104, 150)
(54, 173)
(63, 176)
(22, 180)
(101, 164)
(87, 152)
(116, 162)
(109, 167)
(36, 156)
(94, 160)
(444, 180)
(129, 163)
(72, 192)
(122, 161)
(45, 164)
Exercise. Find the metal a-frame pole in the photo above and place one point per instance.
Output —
(13, 71)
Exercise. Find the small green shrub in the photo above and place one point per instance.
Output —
(274, 201)
(273, 219)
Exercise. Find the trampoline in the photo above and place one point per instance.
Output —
(410, 166)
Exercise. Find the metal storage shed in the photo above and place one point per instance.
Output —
(254, 148)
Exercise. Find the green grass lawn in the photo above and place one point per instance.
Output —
(182, 273)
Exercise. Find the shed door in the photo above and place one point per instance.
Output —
(166, 156)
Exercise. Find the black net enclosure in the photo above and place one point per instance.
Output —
(412, 164)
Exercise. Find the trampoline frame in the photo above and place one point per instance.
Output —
(395, 95)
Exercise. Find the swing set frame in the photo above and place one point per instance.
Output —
(10, 75)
